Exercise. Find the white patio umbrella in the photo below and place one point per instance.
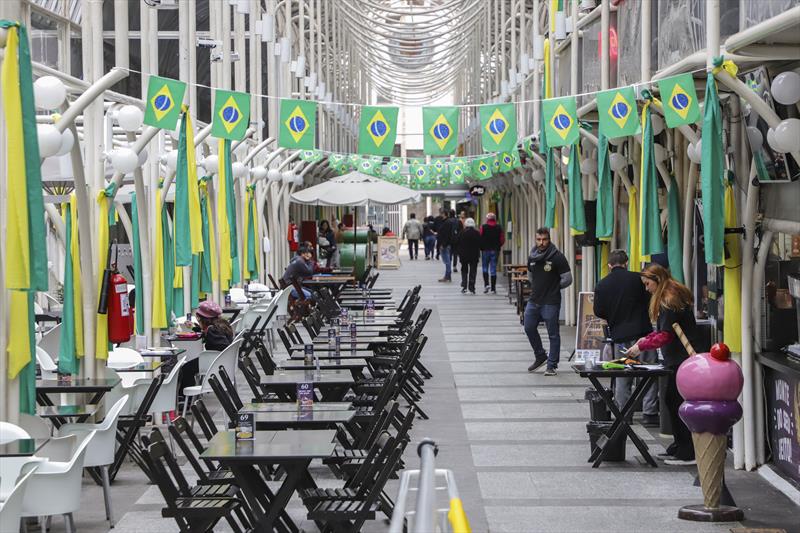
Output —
(356, 189)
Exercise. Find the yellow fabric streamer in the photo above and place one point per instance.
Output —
(728, 66)
(101, 334)
(212, 237)
(159, 305)
(732, 281)
(225, 265)
(604, 249)
(18, 259)
(195, 222)
(19, 345)
(77, 296)
(634, 253)
(457, 517)
(639, 228)
(548, 86)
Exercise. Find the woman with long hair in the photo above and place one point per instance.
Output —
(327, 242)
(670, 303)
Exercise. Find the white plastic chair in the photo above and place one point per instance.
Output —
(100, 451)
(205, 358)
(37, 427)
(238, 295)
(167, 397)
(51, 340)
(226, 359)
(9, 432)
(46, 364)
(55, 488)
(122, 358)
(11, 508)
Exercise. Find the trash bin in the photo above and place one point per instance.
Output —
(598, 412)
(615, 450)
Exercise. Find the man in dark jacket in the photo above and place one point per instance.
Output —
(469, 251)
(548, 273)
(492, 240)
(446, 238)
(437, 224)
(299, 268)
(429, 237)
(621, 299)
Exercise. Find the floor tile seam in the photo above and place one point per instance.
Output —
(490, 386)
(586, 502)
(511, 469)
(542, 442)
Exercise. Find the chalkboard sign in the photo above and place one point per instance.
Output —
(590, 336)
(783, 400)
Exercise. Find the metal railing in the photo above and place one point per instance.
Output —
(428, 516)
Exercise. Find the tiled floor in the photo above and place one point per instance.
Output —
(516, 441)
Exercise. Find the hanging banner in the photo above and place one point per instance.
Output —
(679, 100)
(440, 130)
(231, 115)
(377, 130)
(298, 124)
(164, 99)
(560, 117)
(498, 127)
(617, 112)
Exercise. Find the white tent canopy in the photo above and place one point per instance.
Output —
(356, 189)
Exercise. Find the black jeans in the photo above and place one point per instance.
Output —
(682, 446)
(468, 272)
(413, 248)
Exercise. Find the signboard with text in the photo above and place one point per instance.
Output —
(783, 401)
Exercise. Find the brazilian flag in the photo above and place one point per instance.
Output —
(440, 130)
(164, 99)
(498, 127)
(393, 168)
(482, 168)
(679, 99)
(617, 111)
(298, 124)
(231, 115)
(438, 167)
(561, 121)
(419, 171)
(368, 166)
(377, 130)
(458, 171)
(312, 156)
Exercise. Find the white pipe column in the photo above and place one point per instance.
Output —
(185, 72)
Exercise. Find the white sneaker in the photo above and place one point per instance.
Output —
(680, 462)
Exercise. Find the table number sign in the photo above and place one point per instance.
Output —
(305, 394)
(308, 355)
(246, 426)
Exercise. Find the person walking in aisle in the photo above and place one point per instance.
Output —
(412, 230)
(445, 239)
(454, 247)
(621, 300)
(492, 240)
(429, 237)
(671, 302)
(437, 223)
(548, 273)
(469, 250)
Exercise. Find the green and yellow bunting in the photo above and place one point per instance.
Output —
(679, 100)
(458, 171)
(231, 115)
(393, 168)
(336, 161)
(419, 171)
(482, 168)
(498, 127)
(250, 238)
(188, 224)
(377, 130)
(577, 215)
(440, 130)
(618, 113)
(495, 160)
(368, 166)
(438, 167)
(164, 99)
(527, 146)
(298, 124)
(560, 117)
(312, 156)
(649, 212)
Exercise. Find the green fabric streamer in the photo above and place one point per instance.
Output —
(250, 255)
(169, 263)
(67, 358)
(712, 174)
(577, 215)
(194, 294)
(605, 192)
(137, 268)
(550, 190)
(230, 206)
(205, 256)
(650, 216)
(674, 231)
(27, 376)
(182, 230)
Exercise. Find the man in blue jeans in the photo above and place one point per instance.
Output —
(445, 238)
(548, 273)
(492, 240)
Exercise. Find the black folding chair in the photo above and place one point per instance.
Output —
(128, 428)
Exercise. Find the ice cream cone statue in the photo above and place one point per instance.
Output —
(710, 384)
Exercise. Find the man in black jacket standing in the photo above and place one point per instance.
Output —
(446, 239)
(621, 299)
(548, 273)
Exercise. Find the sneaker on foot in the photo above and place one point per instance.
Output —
(539, 361)
(494, 291)
(680, 462)
(463, 290)
(455, 271)
(651, 421)
(664, 456)
(486, 289)
(472, 291)
(550, 372)
(442, 280)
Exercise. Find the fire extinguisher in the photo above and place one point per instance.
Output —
(114, 298)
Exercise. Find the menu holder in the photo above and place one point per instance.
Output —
(246, 426)
(308, 355)
(305, 395)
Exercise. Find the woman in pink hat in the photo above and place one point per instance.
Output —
(217, 335)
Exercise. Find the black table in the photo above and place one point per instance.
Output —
(291, 450)
(620, 424)
(21, 447)
(97, 387)
(354, 365)
(325, 355)
(164, 353)
(233, 311)
(303, 418)
(277, 407)
(332, 384)
(81, 412)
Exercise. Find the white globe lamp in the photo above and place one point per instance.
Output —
(288, 177)
(617, 162)
(171, 160)
(49, 92)
(588, 166)
(299, 181)
(49, 140)
(786, 88)
(538, 175)
(772, 141)
(67, 141)
(755, 137)
(211, 164)
(660, 153)
(273, 175)
(258, 173)
(239, 170)
(124, 160)
(787, 134)
(130, 118)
